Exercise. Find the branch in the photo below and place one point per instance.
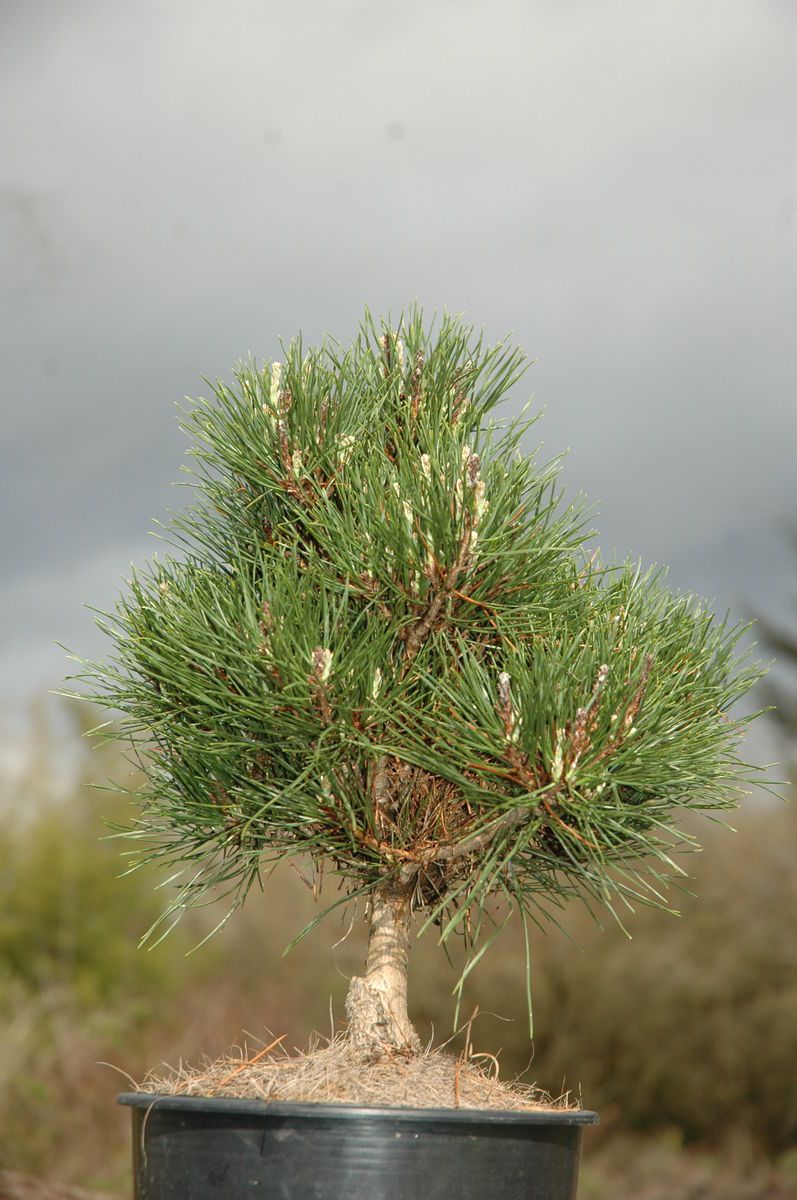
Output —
(479, 841)
(415, 384)
(322, 663)
(452, 851)
(381, 791)
(425, 623)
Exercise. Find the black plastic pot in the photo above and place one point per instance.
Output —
(192, 1148)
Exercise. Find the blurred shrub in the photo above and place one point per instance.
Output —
(73, 986)
(688, 1028)
(691, 1024)
(66, 920)
(635, 1168)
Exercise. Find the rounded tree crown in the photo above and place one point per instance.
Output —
(383, 645)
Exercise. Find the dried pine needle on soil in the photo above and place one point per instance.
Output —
(332, 1072)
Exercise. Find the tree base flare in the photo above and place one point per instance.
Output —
(375, 1027)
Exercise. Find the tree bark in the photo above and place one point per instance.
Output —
(376, 1004)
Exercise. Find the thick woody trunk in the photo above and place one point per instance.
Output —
(376, 1004)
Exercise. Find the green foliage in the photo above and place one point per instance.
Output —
(383, 646)
(66, 920)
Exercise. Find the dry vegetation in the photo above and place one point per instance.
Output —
(332, 1071)
(687, 1030)
(660, 1169)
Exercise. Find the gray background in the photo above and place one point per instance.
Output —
(180, 183)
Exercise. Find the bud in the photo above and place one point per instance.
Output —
(480, 505)
(384, 342)
(511, 717)
(504, 691)
(472, 469)
(276, 376)
(557, 766)
(345, 445)
(321, 660)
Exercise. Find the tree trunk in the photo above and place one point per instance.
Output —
(376, 1004)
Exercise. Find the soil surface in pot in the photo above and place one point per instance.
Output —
(335, 1073)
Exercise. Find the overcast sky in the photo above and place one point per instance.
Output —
(182, 182)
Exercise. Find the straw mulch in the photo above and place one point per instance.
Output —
(333, 1072)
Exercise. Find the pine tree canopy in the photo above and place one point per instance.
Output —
(382, 643)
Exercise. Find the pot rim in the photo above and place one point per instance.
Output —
(342, 1112)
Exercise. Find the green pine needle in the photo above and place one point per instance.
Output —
(380, 644)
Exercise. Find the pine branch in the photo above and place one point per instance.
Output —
(420, 630)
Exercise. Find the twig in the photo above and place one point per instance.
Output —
(249, 1063)
(415, 384)
(423, 626)
(381, 791)
(451, 851)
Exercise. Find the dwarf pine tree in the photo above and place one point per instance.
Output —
(383, 646)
